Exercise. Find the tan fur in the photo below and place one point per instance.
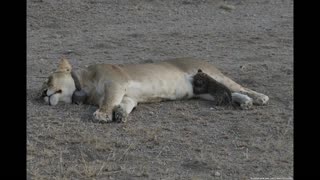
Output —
(64, 65)
(117, 89)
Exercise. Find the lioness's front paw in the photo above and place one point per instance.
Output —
(101, 116)
(120, 115)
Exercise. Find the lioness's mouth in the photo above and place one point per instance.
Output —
(44, 94)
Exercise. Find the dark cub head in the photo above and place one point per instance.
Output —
(200, 83)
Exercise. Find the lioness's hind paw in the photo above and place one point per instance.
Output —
(262, 100)
(244, 101)
(246, 105)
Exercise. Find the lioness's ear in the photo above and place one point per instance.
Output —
(64, 65)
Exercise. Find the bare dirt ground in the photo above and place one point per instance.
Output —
(250, 41)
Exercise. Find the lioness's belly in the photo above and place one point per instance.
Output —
(162, 87)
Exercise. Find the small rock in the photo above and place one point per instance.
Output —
(217, 174)
(227, 7)
(69, 51)
(265, 66)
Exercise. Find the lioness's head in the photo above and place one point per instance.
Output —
(60, 85)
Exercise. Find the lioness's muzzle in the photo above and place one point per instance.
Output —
(44, 94)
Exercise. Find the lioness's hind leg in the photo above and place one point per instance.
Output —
(244, 101)
(258, 98)
(122, 111)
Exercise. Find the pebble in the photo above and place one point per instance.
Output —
(227, 7)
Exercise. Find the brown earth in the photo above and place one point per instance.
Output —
(250, 41)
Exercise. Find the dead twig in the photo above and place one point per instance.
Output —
(126, 152)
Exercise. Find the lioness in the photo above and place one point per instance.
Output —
(117, 89)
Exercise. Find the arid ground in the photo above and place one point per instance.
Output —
(251, 41)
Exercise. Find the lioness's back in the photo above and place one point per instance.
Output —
(186, 65)
(191, 65)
